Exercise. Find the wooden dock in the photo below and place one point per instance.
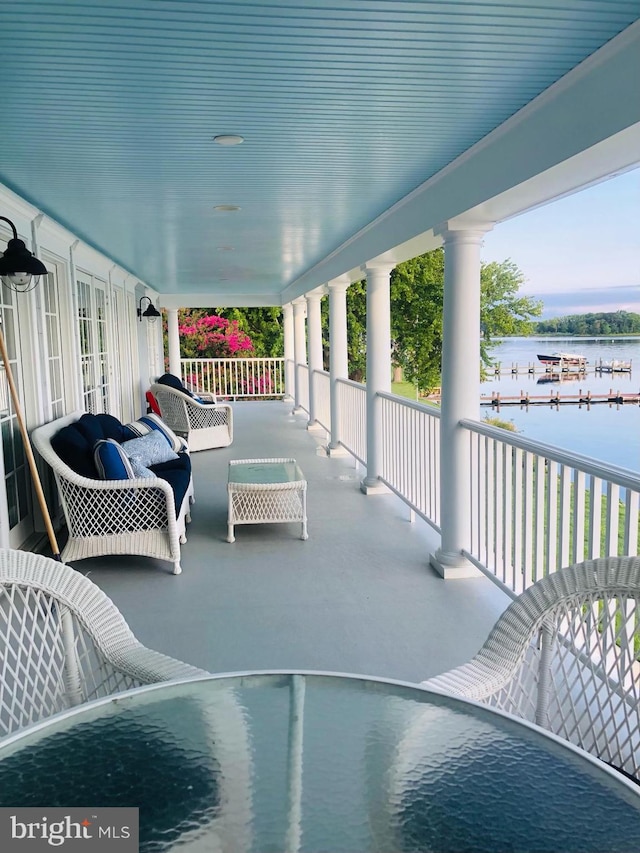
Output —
(533, 368)
(587, 398)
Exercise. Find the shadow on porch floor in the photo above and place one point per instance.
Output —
(358, 596)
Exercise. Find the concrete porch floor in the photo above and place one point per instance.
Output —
(358, 596)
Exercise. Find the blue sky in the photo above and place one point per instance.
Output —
(581, 253)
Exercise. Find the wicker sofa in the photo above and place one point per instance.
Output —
(200, 420)
(142, 515)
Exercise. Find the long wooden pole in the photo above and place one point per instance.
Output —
(35, 476)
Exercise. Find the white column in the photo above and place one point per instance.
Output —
(173, 336)
(314, 345)
(378, 367)
(299, 348)
(460, 394)
(287, 322)
(338, 355)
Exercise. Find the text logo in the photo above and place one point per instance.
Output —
(70, 830)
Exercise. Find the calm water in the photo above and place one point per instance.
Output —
(609, 433)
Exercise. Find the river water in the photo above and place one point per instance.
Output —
(610, 433)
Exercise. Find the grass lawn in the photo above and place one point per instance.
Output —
(404, 389)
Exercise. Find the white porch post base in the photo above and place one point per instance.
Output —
(337, 450)
(450, 566)
(314, 426)
(373, 487)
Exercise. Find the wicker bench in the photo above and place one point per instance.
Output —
(135, 516)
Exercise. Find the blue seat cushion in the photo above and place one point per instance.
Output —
(90, 426)
(111, 427)
(177, 478)
(173, 382)
(75, 451)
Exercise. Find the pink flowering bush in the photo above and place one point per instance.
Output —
(260, 385)
(214, 337)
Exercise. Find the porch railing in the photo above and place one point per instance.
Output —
(322, 398)
(235, 377)
(352, 405)
(302, 379)
(411, 454)
(536, 508)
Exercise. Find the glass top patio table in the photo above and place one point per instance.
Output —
(320, 762)
(264, 471)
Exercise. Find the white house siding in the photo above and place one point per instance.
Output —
(74, 342)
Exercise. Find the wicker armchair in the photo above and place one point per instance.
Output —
(566, 655)
(204, 425)
(63, 642)
(115, 516)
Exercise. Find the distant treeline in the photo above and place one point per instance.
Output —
(614, 323)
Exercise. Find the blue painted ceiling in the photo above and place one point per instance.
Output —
(110, 107)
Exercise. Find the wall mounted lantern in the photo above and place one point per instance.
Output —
(150, 313)
(21, 272)
(19, 269)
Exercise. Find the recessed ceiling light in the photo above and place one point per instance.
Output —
(226, 207)
(225, 248)
(228, 139)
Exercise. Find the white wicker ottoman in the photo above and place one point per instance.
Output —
(264, 491)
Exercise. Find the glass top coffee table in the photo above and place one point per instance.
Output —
(266, 491)
(321, 763)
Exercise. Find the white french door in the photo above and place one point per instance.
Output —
(95, 358)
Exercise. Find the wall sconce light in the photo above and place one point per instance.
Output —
(150, 313)
(18, 266)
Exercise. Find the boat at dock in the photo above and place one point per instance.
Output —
(563, 359)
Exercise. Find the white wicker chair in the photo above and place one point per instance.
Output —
(566, 655)
(115, 516)
(204, 425)
(63, 642)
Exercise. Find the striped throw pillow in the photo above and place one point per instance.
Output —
(149, 423)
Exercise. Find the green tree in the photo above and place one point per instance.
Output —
(417, 293)
(502, 311)
(263, 325)
(602, 323)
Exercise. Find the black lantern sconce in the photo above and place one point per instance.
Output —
(19, 270)
(150, 313)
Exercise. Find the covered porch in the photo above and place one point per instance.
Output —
(170, 185)
(358, 596)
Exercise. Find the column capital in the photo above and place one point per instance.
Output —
(463, 231)
(287, 308)
(316, 295)
(299, 305)
(341, 282)
(380, 266)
